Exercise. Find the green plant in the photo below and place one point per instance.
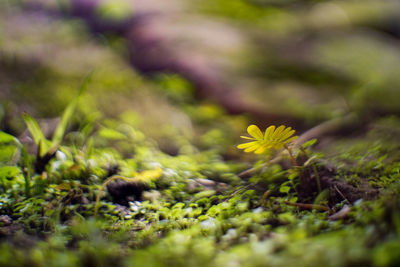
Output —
(278, 138)
(48, 148)
(10, 149)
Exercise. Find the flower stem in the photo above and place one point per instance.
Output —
(293, 159)
(314, 170)
(317, 178)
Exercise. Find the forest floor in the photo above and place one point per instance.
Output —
(107, 159)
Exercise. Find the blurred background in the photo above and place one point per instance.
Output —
(198, 72)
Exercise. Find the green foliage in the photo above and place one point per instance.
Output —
(115, 10)
(10, 149)
(37, 134)
(46, 146)
(180, 218)
(68, 114)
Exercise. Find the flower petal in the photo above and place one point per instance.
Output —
(287, 135)
(246, 137)
(290, 139)
(284, 132)
(252, 148)
(254, 131)
(246, 145)
(277, 132)
(261, 149)
(268, 132)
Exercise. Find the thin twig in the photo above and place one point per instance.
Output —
(307, 206)
(341, 214)
(326, 127)
(317, 177)
(255, 169)
(241, 189)
(341, 194)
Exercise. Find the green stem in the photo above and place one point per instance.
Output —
(294, 161)
(317, 178)
(291, 156)
(26, 172)
(252, 170)
(27, 178)
(314, 170)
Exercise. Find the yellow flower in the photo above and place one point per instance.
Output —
(273, 138)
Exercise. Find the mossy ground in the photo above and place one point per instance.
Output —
(200, 211)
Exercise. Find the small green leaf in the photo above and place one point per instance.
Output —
(286, 217)
(310, 160)
(293, 175)
(7, 138)
(309, 143)
(10, 149)
(9, 171)
(36, 133)
(204, 194)
(284, 189)
(111, 134)
(322, 197)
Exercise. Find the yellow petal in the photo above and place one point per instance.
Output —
(261, 150)
(285, 131)
(246, 145)
(277, 132)
(246, 137)
(287, 135)
(268, 132)
(290, 139)
(254, 131)
(252, 148)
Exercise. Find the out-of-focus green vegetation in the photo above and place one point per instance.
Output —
(333, 56)
(314, 59)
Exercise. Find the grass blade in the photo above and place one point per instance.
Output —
(36, 133)
(68, 113)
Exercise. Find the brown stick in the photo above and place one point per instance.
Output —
(327, 127)
(307, 206)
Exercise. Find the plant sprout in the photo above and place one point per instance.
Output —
(274, 138)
